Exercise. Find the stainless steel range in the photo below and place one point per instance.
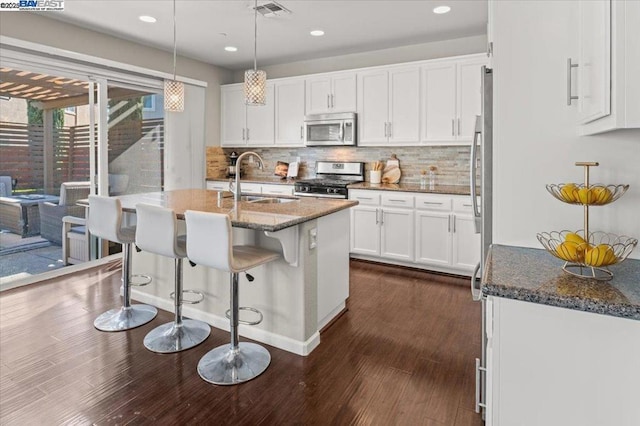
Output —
(331, 180)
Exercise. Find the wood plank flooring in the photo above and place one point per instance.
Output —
(403, 354)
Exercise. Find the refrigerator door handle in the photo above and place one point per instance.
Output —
(476, 292)
(474, 167)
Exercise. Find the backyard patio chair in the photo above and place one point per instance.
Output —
(75, 240)
(51, 214)
(6, 186)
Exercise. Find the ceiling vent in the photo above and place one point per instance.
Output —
(272, 9)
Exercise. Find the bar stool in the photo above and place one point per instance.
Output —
(105, 221)
(157, 232)
(209, 243)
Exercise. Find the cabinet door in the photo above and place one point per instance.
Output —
(396, 231)
(439, 111)
(318, 91)
(373, 107)
(469, 98)
(233, 116)
(433, 238)
(404, 106)
(365, 231)
(290, 113)
(344, 93)
(218, 185)
(594, 81)
(261, 121)
(466, 243)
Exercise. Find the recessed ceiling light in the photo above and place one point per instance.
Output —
(231, 48)
(317, 33)
(441, 9)
(147, 18)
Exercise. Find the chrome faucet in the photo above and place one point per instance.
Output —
(236, 189)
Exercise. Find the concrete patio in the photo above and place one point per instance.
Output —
(23, 257)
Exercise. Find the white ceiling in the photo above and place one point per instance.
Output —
(350, 26)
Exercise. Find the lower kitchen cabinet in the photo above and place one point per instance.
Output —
(253, 188)
(425, 231)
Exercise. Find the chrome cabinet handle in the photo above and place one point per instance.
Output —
(454, 223)
(449, 224)
(390, 129)
(328, 101)
(301, 132)
(386, 132)
(397, 201)
(431, 203)
(381, 217)
(458, 127)
(453, 127)
(364, 198)
(570, 97)
(248, 133)
(377, 221)
(332, 103)
(243, 130)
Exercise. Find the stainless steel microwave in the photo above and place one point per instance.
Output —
(337, 129)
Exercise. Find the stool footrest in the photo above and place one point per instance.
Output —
(187, 301)
(140, 280)
(246, 308)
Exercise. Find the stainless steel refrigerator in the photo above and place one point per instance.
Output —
(481, 193)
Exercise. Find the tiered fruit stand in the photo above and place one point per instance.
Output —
(587, 254)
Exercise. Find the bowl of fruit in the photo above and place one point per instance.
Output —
(593, 195)
(598, 251)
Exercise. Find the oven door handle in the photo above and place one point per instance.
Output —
(342, 131)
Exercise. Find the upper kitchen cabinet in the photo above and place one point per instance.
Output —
(451, 100)
(290, 106)
(608, 66)
(244, 125)
(389, 106)
(331, 93)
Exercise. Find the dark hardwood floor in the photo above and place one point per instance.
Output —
(402, 355)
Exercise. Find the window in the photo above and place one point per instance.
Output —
(149, 103)
(70, 110)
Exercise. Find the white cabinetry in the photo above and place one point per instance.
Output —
(451, 100)
(426, 231)
(609, 66)
(289, 112)
(578, 368)
(331, 93)
(253, 188)
(244, 125)
(389, 106)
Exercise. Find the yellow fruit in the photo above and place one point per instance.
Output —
(575, 238)
(568, 251)
(569, 192)
(601, 195)
(600, 255)
(585, 196)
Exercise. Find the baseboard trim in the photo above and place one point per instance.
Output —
(285, 343)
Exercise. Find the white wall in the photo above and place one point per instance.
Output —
(410, 53)
(536, 140)
(38, 29)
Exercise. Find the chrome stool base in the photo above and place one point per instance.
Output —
(169, 338)
(226, 366)
(121, 319)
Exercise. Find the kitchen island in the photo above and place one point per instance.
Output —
(561, 350)
(298, 294)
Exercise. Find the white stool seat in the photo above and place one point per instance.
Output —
(209, 243)
(157, 232)
(105, 221)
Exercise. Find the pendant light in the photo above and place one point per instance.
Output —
(173, 89)
(255, 80)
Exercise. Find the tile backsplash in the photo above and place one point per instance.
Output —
(452, 162)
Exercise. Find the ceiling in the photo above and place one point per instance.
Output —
(205, 27)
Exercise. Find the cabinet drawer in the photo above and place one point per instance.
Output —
(393, 199)
(370, 198)
(250, 188)
(218, 186)
(431, 202)
(462, 205)
(277, 189)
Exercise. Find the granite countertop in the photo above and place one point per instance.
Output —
(271, 179)
(533, 275)
(244, 214)
(414, 187)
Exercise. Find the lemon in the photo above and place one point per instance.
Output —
(600, 255)
(585, 196)
(568, 251)
(601, 195)
(569, 192)
(573, 237)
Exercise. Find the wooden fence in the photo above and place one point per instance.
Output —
(22, 154)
